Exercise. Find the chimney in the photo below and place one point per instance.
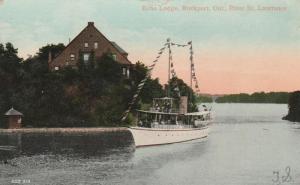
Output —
(90, 23)
(49, 57)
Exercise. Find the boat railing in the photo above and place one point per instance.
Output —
(173, 110)
(170, 127)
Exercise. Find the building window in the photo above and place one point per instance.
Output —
(124, 71)
(72, 57)
(114, 57)
(86, 45)
(128, 73)
(96, 45)
(86, 57)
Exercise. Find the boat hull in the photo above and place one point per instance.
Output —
(153, 136)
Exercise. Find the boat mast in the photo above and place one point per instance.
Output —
(192, 75)
(169, 68)
(191, 80)
(191, 59)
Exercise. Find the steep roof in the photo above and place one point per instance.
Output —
(121, 50)
(113, 44)
(13, 112)
(126, 59)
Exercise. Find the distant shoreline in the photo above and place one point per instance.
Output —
(257, 97)
(250, 103)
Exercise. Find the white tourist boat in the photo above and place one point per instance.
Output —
(163, 123)
(160, 125)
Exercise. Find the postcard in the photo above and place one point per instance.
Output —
(152, 92)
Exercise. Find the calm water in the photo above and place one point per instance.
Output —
(248, 144)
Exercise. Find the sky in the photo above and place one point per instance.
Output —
(240, 46)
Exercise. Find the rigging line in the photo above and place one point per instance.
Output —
(142, 83)
(172, 70)
(192, 65)
(193, 77)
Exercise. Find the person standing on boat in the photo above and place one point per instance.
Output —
(168, 107)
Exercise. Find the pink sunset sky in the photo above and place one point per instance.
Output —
(236, 70)
(236, 50)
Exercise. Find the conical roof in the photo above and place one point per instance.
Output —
(13, 112)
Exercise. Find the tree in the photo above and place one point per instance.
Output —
(152, 89)
(54, 49)
(203, 99)
(10, 75)
(38, 64)
(294, 107)
(184, 90)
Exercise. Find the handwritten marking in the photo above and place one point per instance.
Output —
(278, 180)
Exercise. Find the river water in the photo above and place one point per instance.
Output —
(248, 144)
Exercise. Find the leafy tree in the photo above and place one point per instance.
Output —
(152, 88)
(54, 49)
(139, 72)
(258, 97)
(184, 90)
(10, 75)
(94, 94)
(294, 107)
(203, 99)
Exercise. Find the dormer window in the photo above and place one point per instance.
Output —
(72, 57)
(96, 45)
(114, 57)
(86, 45)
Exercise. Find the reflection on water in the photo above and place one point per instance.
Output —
(84, 144)
(247, 144)
(64, 158)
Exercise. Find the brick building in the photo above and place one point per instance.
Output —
(90, 41)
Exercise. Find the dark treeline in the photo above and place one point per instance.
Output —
(93, 94)
(258, 97)
(294, 107)
(204, 99)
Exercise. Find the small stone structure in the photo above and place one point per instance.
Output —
(14, 119)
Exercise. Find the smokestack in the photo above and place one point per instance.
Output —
(183, 105)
